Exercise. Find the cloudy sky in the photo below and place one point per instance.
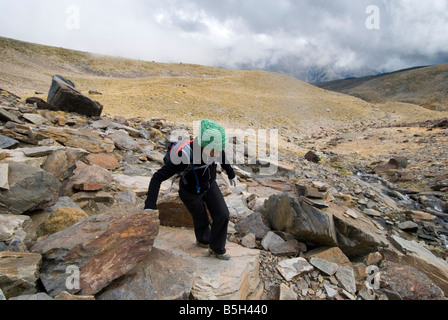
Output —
(394, 34)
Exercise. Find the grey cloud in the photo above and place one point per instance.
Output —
(250, 33)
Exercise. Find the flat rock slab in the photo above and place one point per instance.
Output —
(236, 279)
(102, 248)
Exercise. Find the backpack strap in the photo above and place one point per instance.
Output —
(184, 146)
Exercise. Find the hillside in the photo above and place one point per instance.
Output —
(424, 86)
(183, 93)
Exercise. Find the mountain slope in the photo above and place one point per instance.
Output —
(424, 86)
(183, 93)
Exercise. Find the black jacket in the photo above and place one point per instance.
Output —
(205, 176)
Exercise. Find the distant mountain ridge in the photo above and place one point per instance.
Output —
(424, 86)
(310, 72)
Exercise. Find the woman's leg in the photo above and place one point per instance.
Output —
(196, 206)
(219, 213)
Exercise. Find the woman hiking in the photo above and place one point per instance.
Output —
(196, 161)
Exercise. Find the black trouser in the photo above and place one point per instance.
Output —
(216, 235)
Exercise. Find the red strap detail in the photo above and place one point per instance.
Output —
(183, 145)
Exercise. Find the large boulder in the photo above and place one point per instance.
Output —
(64, 96)
(30, 188)
(160, 276)
(296, 217)
(102, 248)
(329, 226)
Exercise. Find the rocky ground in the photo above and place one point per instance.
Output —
(363, 215)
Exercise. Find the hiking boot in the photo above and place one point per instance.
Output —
(202, 245)
(223, 256)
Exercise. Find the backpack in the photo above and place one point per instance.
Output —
(183, 146)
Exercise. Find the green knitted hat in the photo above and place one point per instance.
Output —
(212, 135)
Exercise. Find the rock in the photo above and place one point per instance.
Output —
(312, 156)
(346, 277)
(41, 296)
(372, 212)
(62, 218)
(408, 282)
(29, 189)
(328, 267)
(420, 215)
(292, 268)
(64, 295)
(440, 183)
(8, 116)
(331, 290)
(16, 231)
(139, 184)
(2, 296)
(35, 118)
(286, 248)
(7, 142)
(123, 141)
(40, 151)
(39, 103)
(374, 258)
(103, 160)
(237, 205)
(356, 236)
(96, 196)
(61, 163)
(271, 239)
(317, 203)
(19, 273)
(155, 156)
(310, 192)
(286, 293)
(172, 211)
(160, 276)
(252, 224)
(4, 172)
(399, 162)
(296, 217)
(249, 241)
(88, 178)
(85, 139)
(63, 202)
(330, 254)
(351, 213)
(102, 247)
(408, 226)
(65, 97)
(127, 196)
(236, 279)
(417, 256)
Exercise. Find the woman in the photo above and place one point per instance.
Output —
(198, 188)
